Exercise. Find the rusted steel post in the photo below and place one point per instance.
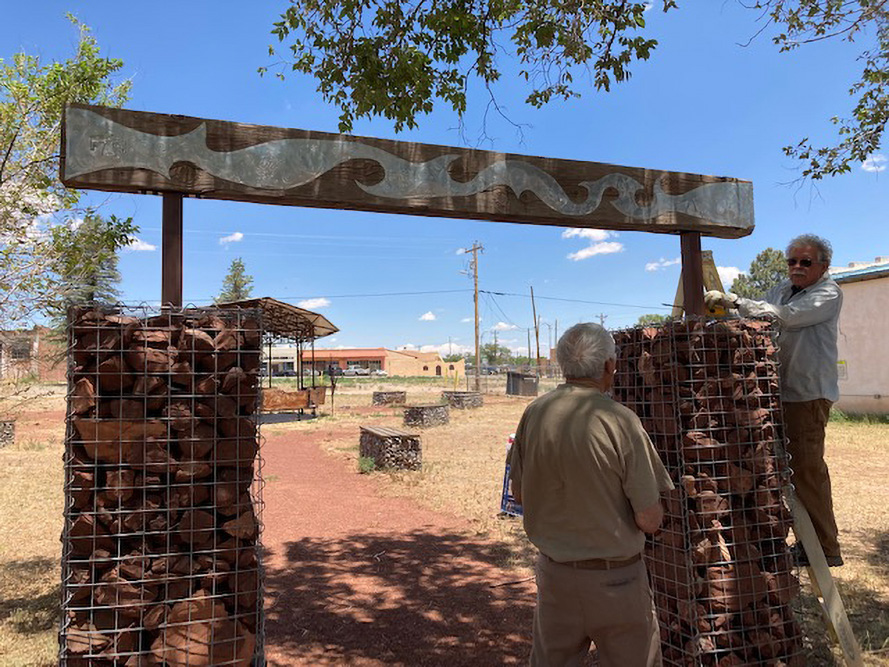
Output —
(692, 273)
(171, 251)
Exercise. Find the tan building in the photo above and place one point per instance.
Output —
(863, 343)
(394, 362)
(31, 353)
(410, 363)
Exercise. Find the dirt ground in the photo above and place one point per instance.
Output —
(359, 578)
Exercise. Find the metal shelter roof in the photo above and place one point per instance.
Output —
(285, 320)
(853, 275)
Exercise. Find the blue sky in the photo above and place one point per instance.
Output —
(702, 104)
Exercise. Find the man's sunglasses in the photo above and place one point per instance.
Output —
(802, 262)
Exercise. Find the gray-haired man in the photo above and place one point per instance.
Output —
(589, 481)
(807, 308)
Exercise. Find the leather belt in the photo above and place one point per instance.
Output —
(597, 563)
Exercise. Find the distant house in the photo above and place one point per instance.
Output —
(394, 362)
(31, 353)
(409, 362)
(863, 343)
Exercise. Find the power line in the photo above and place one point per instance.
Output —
(353, 296)
(506, 317)
(556, 298)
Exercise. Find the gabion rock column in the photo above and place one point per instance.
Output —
(160, 559)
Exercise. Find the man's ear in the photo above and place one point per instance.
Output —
(610, 366)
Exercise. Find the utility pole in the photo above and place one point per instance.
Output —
(536, 331)
(529, 348)
(495, 347)
(474, 250)
(602, 318)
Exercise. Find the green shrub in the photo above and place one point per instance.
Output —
(366, 465)
(841, 417)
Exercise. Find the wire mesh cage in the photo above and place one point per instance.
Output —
(721, 572)
(163, 489)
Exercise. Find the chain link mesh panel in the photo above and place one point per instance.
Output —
(720, 568)
(163, 489)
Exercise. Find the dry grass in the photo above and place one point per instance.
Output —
(31, 484)
(463, 471)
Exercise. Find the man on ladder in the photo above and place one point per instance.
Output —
(807, 308)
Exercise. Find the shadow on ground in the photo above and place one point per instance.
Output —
(412, 599)
(26, 611)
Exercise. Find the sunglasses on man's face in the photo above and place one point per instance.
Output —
(802, 262)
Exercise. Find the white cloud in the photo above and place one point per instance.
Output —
(317, 302)
(648, 6)
(603, 248)
(662, 264)
(138, 245)
(231, 238)
(875, 163)
(445, 349)
(591, 234)
(460, 251)
(503, 326)
(428, 316)
(598, 243)
(468, 319)
(727, 275)
(74, 223)
(408, 346)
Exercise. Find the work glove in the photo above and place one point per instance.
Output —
(714, 298)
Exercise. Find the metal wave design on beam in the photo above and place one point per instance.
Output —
(95, 142)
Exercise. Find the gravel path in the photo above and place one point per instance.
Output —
(356, 578)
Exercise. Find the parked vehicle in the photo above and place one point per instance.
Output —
(380, 373)
(286, 374)
(356, 370)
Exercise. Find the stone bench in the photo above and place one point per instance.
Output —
(426, 415)
(390, 447)
(462, 400)
(388, 398)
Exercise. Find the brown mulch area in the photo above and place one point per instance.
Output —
(354, 577)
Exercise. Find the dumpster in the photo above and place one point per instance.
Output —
(521, 384)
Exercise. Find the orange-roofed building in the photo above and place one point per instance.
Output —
(394, 362)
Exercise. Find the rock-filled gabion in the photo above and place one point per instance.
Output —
(462, 400)
(160, 560)
(720, 568)
(391, 448)
(389, 398)
(7, 433)
(426, 415)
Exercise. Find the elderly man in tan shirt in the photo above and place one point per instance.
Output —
(589, 481)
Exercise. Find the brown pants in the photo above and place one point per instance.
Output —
(612, 608)
(804, 424)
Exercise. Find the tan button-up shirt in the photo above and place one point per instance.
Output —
(584, 465)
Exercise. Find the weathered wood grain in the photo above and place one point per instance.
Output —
(131, 151)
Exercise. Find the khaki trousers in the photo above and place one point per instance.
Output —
(804, 424)
(612, 608)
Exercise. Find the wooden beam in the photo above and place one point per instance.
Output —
(131, 151)
(692, 273)
(171, 251)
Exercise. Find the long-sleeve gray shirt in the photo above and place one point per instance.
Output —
(807, 336)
